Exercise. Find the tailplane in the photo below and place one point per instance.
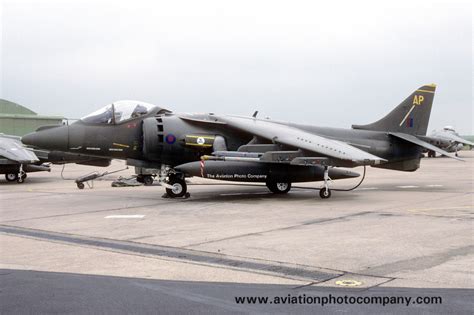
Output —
(411, 116)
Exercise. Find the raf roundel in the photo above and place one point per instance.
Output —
(170, 139)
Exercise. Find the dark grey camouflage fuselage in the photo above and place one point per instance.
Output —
(162, 137)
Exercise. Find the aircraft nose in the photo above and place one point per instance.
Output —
(51, 138)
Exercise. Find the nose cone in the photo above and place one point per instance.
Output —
(54, 138)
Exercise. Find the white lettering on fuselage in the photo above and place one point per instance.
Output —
(236, 176)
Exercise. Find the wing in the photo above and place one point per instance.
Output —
(295, 137)
(13, 150)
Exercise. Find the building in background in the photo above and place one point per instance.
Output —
(18, 120)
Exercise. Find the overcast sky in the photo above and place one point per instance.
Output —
(328, 63)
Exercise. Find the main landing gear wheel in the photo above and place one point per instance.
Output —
(279, 188)
(179, 187)
(11, 177)
(80, 185)
(325, 193)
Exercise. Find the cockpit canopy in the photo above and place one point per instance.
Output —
(449, 128)
(120, 111)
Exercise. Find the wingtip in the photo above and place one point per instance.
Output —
(453, 157)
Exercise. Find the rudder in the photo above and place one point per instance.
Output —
(411, 116)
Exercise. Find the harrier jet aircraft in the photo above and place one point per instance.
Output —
(447, 139)
(248, 149)
(16, 160)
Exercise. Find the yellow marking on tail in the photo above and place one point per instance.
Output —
(418, 99)
(426, 91)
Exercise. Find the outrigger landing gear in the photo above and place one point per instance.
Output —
(325, 192)
(178, 187)
(21, 175)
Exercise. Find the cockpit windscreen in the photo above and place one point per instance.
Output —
(119, 111)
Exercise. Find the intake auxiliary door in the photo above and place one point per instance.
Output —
(153, 137)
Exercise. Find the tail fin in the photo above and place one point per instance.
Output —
(411, 116)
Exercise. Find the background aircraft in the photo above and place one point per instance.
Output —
(448, 140)
(236, 148)
(16, 160)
